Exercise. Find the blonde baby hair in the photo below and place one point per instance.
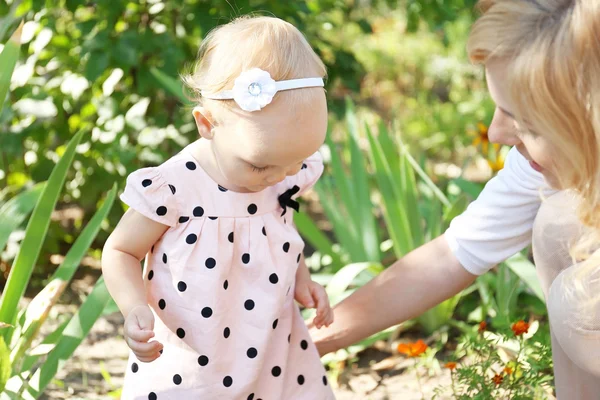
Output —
(248, 42)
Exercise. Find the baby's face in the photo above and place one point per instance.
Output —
(260, 149)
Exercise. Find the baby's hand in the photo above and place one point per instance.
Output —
(312, 295)
(138, 330)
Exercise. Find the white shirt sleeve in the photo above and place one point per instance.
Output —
(499, 222)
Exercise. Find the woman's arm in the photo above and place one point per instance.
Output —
(125, 248)
(415, 283)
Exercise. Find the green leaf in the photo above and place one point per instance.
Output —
(35, 235)
(61, 277)
(5, 367)
(8, 60)
(317, 239)
(16, 210)
(75, 332)
(525, 270)
(96, 64)
(171, 85)
(343, 278)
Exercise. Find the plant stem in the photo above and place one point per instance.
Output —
(418, 379)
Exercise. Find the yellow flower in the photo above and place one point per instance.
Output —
(481, 138)
(508, 370)
(498, 163)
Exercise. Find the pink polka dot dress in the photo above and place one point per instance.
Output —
(220, 283)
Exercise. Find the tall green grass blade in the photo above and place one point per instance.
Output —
(365, 217)
(14, 212)
(171, 85)
(75, 332)
(34, 238)
(8, 60)
(316, 238)
(525, 270)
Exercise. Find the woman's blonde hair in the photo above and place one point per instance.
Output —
(247, 42)
(553, 53)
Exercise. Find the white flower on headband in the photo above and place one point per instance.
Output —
(254, 89)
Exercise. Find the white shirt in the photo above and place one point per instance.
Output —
(499, 223)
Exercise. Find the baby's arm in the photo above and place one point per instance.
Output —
(126, 246)
(312, 295)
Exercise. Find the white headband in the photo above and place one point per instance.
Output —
(255, 88)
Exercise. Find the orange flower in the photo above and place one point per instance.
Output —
(482, 138)
(497, 379)
(520, 327)
(508, 370)
(482, 326)
(412, 349)
(451, 365)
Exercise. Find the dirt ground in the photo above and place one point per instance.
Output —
(98, 366)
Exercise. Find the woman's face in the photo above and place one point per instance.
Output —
(505, 129)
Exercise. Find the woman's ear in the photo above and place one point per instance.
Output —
(203, 119)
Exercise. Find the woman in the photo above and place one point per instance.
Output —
(542, 59)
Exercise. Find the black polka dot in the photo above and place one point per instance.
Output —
(152, 396)
(180, 333)
(181, 286)
(191, 238)
(150, 275)
(300, 379)
(304, 166)
(252, 209)
(146, 182)
(230, 237)
(207, 312)
(304, 344)
(161, 351)
(190, 165)
(134, 367)
(276, 371)
(162, 304)
(246, 258)
(161, 211)
(213, 218)
(177, 379)
(225, 285)
(289, 337)
(264, 231)
(152, 249)
(226, 333)
(251, 397)
(173, 190)
(203, 361)
(222, 189)
(273, 278)
(299, 257)
(198, 211)
(286, 246)
(227, 381)
(210, 263)
(165, 258)
(252, 352)
(249, 305)
(275, 323)
(324, 380)
(183, 219)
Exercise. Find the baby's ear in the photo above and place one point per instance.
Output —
(203, 117)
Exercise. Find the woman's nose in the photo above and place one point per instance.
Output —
(502, 129)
